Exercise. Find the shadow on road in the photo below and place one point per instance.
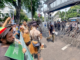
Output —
(49, 40)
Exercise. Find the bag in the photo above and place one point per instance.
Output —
(38, 40)
(36, 45)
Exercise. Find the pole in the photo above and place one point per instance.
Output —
(65, 15)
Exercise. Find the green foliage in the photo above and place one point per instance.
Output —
(25, 18)
(28, 4)
(2, 20)
(42, 18)
(72, 12)
(23, 15)
(34, 6)
(36, 16)
(2, 4)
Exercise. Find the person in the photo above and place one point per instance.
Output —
(58, 25)
(7, 21)
(26, 37)
(51, 29)
(18, 31)
(55, 25)
(35, 37)
(6, 38)
(24, 25)
(63, 25)
(25, 33)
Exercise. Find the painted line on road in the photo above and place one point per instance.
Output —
(65, 47)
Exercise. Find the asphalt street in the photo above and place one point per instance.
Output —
(59, 50)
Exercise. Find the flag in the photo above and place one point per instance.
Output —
(2, 29)
(15, 51)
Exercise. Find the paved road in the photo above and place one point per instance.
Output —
(59, 50)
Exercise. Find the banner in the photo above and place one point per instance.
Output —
(27, 54)
(15, 51)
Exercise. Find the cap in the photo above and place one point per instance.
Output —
(4, 31)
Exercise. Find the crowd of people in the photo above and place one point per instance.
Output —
(10, 33)
(62, 26)
(31, 33)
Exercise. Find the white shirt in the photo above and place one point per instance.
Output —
(34, 32)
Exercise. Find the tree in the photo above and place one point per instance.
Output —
(31, 5)
(23, 16)
(36, 16)
(72, 12)
(1, 4)
(17, 7)
(42, 18)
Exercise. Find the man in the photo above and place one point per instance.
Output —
(51, 29)
(25, 33)
(6, 38)
(35, 35)
(24, 25)
(63, 25)
(6, 22)
(58, 25)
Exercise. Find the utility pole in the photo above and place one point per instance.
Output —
(65, 14)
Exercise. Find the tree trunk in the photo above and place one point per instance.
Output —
(32, 15)
(18, 9)
(18, 15)
(32, 11)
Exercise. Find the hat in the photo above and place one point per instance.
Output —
(4, 31)
(34, 24)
